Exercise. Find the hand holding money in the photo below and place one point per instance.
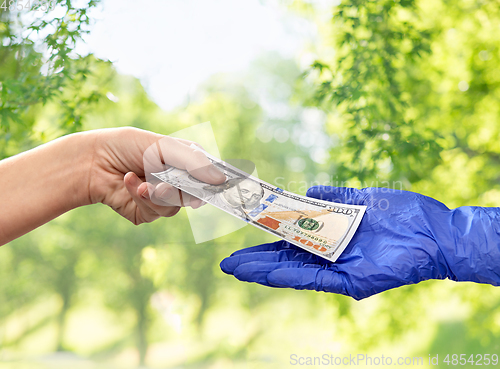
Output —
(404, 238)
(130, 150)
(104, 166)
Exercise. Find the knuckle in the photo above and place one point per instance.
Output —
(198, 156)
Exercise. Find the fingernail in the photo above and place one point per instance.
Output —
(165, 194)
(145, 193)
(134, 181)
(196, 203)
(216, 174)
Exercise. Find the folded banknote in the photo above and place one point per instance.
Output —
(320, 227)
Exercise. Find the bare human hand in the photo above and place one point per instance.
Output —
(97, 166)
(117, 174)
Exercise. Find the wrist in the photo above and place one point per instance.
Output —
(75, 166)
(99, 169)
(434, 218)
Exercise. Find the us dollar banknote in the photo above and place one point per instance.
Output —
(320, 227)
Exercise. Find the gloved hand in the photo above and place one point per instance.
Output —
(404, 238)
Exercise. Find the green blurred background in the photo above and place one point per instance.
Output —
(400, 93)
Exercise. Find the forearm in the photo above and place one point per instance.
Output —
(475, 253)
(41, 184)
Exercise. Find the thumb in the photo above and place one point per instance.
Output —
(344, 195)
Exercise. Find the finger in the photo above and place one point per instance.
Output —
(164, 194)
(152, 161)
(141, 213)
(344, 195)
(166, 209)
(309, 279)
(167, 195)
(196, 203)
(273, 246)
(140, 195)
(190, 200)
(179, 153)
(257, 272)
(189, 143)
(228, 265)
(192, 159)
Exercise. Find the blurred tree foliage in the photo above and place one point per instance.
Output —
(410, 94)
(411, 81)
(376, 80)
(38, 64)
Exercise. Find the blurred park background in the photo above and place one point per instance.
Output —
(389, 93)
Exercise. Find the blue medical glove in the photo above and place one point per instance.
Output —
(404, 238)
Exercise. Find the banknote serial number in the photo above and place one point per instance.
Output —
(20, 5)
(313, 238)
(339, 210)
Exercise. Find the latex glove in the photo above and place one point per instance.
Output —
(404, 238)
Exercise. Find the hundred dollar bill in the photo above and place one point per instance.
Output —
(320, 227)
